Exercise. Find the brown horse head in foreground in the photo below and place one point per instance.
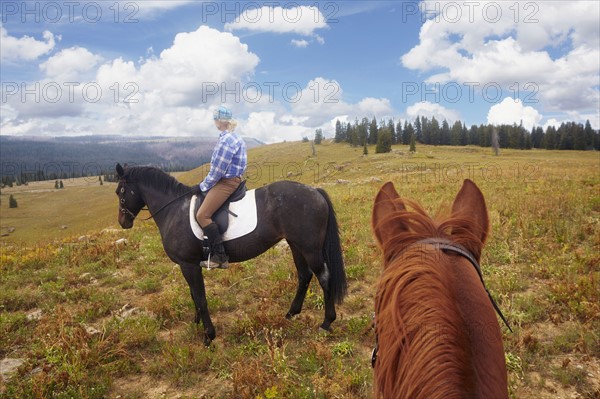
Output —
(437, 334)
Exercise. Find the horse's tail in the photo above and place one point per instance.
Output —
(332, 253)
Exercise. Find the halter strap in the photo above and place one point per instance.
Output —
(447, 245)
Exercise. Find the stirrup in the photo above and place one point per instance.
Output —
(208, 265)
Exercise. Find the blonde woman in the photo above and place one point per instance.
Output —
(227, 165)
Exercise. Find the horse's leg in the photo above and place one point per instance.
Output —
(193, 276)
(304, 277)
(317, 265)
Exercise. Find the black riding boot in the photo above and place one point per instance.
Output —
(217, 251)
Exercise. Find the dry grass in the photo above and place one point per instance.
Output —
(541, 262)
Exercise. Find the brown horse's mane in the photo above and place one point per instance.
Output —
(425, 340)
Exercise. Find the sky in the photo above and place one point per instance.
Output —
(160, 68)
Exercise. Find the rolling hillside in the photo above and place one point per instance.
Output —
(45, 158)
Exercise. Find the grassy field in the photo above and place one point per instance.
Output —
(90, 315)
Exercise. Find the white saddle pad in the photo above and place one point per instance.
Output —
(239, 226)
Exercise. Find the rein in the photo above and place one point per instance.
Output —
(124, 209)
(449, 246)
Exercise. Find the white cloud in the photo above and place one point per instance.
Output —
(267, 127)
(511, 111)
(317, 105)
(303, 20)
(429, 109)
(173, 94)
(321, 98)
(550, 46)
(159, 96)
(67, 87)
(594, 119)
(71, 64)
(302, 43)
(25, 48)
(197, 64)
(552, 122)
(299, 43)
(380, 107)
(191, 73)
(148, 8)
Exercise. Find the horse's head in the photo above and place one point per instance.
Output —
(395, 227)
(130, 201)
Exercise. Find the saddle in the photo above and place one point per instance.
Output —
(221, 216)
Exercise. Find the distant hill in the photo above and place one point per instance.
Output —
(35, 158)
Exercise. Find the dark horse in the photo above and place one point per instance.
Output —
(304, 216)
(437, 334)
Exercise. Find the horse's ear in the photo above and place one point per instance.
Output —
(470, 204)
(387, 202)
(120, 170)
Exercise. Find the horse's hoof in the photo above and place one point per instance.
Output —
(289, 316)
(325, 328)
(209, 336)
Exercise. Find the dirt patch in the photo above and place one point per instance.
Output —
(149, 387)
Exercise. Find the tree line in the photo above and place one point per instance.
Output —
(383, 134)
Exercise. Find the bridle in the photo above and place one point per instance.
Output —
(124, 210)
(122, 207)
(452, 247)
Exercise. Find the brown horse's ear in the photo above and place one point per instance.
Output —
(470, 204)
(387, 202)
(120, 170)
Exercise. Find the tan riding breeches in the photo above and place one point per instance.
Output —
(215, 197)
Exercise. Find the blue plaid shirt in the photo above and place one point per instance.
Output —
(228, 160)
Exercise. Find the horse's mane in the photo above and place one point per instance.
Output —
(417, 320)
(156, 178)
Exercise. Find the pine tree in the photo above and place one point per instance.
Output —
(384, 142)
(318, 136)
(464, 135)
(353, 134)
(373, 131)
(550, 138)
(435, 132)
(579, 139)
(537, 137)
(456, 134)
(400, 132)
(339, 132)
(408, 134)
(473, 135)
(363, 131)
(350, 134)
(418, 130)
(392, 129)
(413, 143)
(589, 135)
(445, 133)
(426, 129)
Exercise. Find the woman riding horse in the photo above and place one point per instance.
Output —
(227, 165)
